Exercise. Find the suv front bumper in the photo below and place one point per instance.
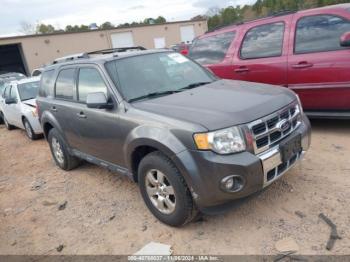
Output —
(205, 170)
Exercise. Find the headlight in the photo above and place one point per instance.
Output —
(225, 141)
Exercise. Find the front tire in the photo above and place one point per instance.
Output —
(29, 130)
(59, 151)
(164, 190)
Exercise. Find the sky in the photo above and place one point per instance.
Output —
(59, 13)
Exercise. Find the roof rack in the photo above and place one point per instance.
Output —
(101, 52)
(117, 50)
(273, 14)
(70, 58)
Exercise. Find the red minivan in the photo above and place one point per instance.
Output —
(307, 51)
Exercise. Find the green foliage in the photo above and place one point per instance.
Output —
(236, 14)
(107, 25)
(44, 29)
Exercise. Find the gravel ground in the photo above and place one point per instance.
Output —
(44, 210)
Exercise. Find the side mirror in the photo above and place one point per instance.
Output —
(345, 39)
(98, 100)
(10, 100)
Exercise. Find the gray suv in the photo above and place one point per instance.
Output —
(191, 141)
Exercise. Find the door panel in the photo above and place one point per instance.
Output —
(262, 54)
(318, 68)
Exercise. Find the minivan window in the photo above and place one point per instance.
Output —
(90, 81)
(212, 49)
(156, 74)
(320, 33)
(65, 84)
(263, 41)
(28, 90)
(47, 83)
(13, 94)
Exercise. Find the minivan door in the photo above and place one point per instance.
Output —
(318, 67)
(262, 54)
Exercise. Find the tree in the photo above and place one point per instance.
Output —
(160, 20)
(107, 25)
(45, 29)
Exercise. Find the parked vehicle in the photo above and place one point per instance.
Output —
(190, 140)
(18, 108)
(5, 78)
(306, 51)
(181, 48)
(37, 71)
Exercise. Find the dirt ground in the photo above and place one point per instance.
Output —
(104, 212)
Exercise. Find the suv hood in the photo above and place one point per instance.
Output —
(220, 104)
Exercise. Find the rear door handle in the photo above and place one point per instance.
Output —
(302, 64)
(242, 69)
(81, 115)
(53, 109)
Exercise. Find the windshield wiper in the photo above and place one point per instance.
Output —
(194, 85)
(154, 94)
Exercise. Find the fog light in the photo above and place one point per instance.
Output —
(232, 183)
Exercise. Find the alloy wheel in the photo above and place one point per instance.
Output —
(57, 150)
(160, 191)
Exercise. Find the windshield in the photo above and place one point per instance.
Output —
(28, 90)
(145, 76)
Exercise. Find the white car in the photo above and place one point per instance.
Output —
(18, 107)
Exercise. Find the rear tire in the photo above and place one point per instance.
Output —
(1, 119)
(29, 130)
(7, 125)
(164, 190)
(60, 153)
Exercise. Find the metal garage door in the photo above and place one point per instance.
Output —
(187, 33)
(124, 39)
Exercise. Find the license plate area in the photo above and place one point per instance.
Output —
(290, 147)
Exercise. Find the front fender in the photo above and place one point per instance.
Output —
(159, 138)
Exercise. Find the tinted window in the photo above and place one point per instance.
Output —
(212, 49)
(90, 81)
(142, 75)
(320, 33)
(65, 84)
(28, 90)
(263, 41)
(2, 86)
(47, 83)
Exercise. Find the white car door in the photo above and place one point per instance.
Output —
(12, 112)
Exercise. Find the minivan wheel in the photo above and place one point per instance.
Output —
(1, 119)
(29, 130)
(60, 152)
(164, 190)
(8, 126)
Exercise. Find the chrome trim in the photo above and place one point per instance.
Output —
(272, 159)
(268, 132)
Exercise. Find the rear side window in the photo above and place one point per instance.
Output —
(65, 84)
(320, 33)
(90, 81)
(13, 93)
(47, 83)
(263, 41)
(7, 92)
(212, 49)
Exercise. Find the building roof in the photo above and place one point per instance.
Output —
(100, 30)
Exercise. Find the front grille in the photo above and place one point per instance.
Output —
(268, 131)
(274, 173)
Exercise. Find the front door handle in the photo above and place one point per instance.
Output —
(53, 109)
(302, 64)
(241, 69)
(81, 115)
